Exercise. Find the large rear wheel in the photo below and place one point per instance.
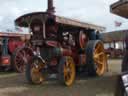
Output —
(96, 58)
(66, 71)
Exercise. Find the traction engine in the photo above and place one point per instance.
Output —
(61, 46)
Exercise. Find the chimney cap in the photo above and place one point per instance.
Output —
(51, 8)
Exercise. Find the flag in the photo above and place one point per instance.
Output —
(118, 24)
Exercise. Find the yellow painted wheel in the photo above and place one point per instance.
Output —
(96, 58)
(34, 71)
(67, 71)
(100, 58)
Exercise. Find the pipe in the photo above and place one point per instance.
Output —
(51, 8)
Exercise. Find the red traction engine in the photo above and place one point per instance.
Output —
(63, 47)
(9, 43)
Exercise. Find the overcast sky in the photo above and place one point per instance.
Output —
(91, 11)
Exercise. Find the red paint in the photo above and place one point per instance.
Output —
(83, 39)
(5, 60)
(13, 44)
(52, 43)
(54, 62)
(66, 52)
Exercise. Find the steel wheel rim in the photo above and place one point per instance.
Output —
(100, 59)
(69, 71)
(36, 74)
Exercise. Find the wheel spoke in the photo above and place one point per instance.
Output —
(98, 55)
(65, 71)
(99, 62)
(23, 52)
(69, 76)
(96, 59)
(69, 65)
(20, 55)
(97, 48)
(66, 78)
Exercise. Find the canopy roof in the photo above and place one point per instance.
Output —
(27, 18)
(5, 34)
(114, 36)
(120, 8)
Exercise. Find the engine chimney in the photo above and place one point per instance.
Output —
(51, 8)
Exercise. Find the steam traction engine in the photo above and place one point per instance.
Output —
(62, 46)
(9, 47)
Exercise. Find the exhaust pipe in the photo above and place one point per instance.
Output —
(51, 8)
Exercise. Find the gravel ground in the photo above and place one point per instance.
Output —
(13, 84)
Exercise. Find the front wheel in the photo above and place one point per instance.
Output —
(66, 70)
(34, 71)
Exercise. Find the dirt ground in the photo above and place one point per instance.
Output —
(13, 84)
